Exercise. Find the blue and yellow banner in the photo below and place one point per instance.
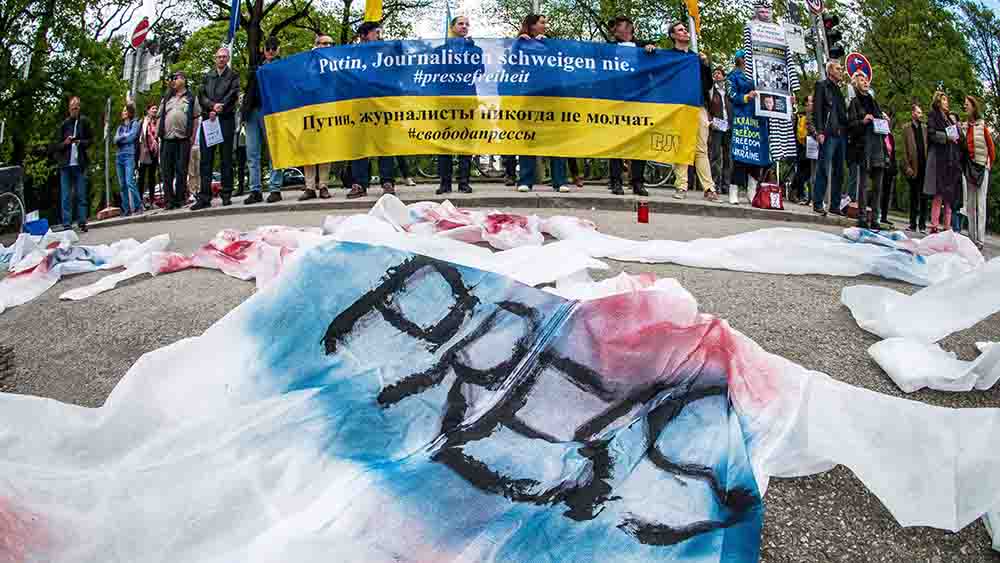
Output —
(483, 96)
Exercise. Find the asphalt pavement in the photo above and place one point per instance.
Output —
(77, 351)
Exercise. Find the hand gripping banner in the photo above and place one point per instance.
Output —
(483, 96)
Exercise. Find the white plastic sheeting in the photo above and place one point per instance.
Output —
(913, 365)
(931, 313)
(785, 251)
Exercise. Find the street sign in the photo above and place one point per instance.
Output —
(815, 6)
(150, 75)
(856, 62)
(139, 35)
(796, 38)
(129, 66)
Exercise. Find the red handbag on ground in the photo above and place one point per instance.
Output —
(768, 196)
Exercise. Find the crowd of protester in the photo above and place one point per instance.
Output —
(946, 159)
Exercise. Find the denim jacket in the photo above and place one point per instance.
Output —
(126, 137)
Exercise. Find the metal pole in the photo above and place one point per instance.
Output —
(107, 153)
(135, 71)
(694, 34)
(3, 126)
(820, 45)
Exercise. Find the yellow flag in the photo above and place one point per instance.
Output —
(692, 7)
(373, 10)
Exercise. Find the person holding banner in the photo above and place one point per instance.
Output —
(361, 175)
(533, 29)
(944, 168)
(458, 41)
(317, 174)
(869, 128)
(256, 136)
(623, 34)
(218, 98)
(749, 142)
(776, 76)
(682, 42)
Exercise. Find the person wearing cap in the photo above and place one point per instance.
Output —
(177, 114)
(361, 175)
(256, 137)
(218, 98)
(681, 37)
(747, 168)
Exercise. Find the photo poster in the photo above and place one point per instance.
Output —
(770, 66)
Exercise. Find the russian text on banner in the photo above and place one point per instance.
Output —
(484, 96)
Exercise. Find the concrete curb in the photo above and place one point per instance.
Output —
(535, 200)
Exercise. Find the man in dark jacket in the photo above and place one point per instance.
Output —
(720, 110)
(177, 112)
(915, 147)
(623, 34)
(69, 150)
(256, 138)
(830, 120)
(218, 98)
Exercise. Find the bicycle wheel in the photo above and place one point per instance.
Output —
(11, 214)
(657, 174)
(489, 165)
(427, 166)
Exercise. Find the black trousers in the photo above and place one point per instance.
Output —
(404, 167)
(444, 169)
(720, 156)
(803, 172)
(241, 167)
(888, 186)
(228, 125)
(509, 166)
(870, 178)
(361, 173)
(147, 177)
(636, 170)
(918, 202)
(174, 157)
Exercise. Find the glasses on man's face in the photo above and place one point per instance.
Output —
(325, 43)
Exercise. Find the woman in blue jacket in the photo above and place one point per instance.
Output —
(125, 140)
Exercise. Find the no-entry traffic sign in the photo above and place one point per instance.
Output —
(815, 6)
(139, 35)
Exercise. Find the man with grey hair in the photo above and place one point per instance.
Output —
(218, 98)
(830, 120)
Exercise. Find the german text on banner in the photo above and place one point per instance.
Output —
(483, 96)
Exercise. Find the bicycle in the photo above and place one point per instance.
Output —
(658, 174)
(487, 166)
(11, 200)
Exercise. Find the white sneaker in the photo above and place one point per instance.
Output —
(523, 189)
(564, 189)
(410, 182)
(680, 195)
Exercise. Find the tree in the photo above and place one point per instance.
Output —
(981, 26)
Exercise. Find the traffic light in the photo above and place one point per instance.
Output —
(833, 36)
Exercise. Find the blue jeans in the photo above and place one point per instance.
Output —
(830, 167)
(73, 179)
(530, 163)
(956, 220)
(131, 198)
(256, 137)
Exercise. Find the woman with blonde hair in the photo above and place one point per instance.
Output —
(944, 170)
(982, 153)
